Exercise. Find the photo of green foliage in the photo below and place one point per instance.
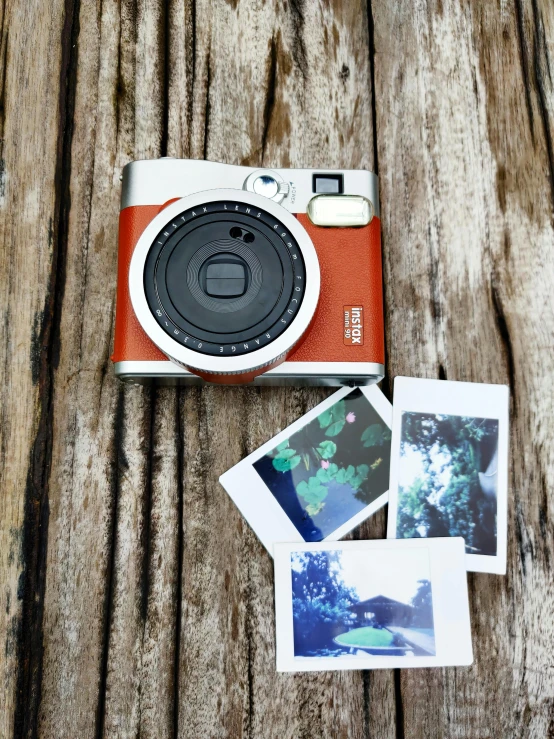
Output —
(332, 468)
(448, 479)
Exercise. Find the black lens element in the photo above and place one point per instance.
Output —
(224, 278)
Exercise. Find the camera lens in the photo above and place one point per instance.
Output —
(224, 278)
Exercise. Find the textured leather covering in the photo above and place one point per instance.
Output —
(351, 274)
(131, 343)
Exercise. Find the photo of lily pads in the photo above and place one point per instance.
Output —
(332, 468)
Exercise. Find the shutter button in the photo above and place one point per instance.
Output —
(266, 186)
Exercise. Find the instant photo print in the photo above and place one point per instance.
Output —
(449, 466)
(320, 477)
(371, 604)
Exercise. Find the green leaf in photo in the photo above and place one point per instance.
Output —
(335, 428)
(295, 461)
(315, 496)
(341, 476)
(286, 454)
(315, 485)
(327, 449)
(339, 411)
(333, 417)
(281, 465)
(327, 474)
(372, 435)
(325, 418)
(312, 491)
(363, 471)
(302, 488)
(283, 445)
(323, 475)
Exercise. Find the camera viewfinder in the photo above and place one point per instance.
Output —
(328, 184)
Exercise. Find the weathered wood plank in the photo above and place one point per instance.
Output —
(127, 607)
(464, 124)
(88, 403)
(143, 617)
(257, 99)
(162, 595)
(32, 115)
(112, 574)
(143, 607)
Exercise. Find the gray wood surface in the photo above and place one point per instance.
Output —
(134, 599)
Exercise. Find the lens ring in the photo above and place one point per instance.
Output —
(267, 354)
(200, 323)
(233, 327)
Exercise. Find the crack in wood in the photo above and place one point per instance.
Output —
(165, 51)
(399, 705)
(298, 11)
(540, 51)
(43, 360)
(527, 84)
(147, 504)
(270, 95)
(118, 463)
(207, 106)
(5, 36)
(366, 703)
(180, 555)
(506, 342)
(371, 44)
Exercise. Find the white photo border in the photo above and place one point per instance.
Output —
(450, 398)
(257, 503)
(451, 619)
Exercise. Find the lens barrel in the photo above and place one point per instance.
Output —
(225, 281)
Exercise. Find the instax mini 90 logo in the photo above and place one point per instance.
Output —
(354, 325)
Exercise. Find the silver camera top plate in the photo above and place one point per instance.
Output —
(155, 181)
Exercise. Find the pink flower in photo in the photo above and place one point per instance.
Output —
(325, 464)
(350, 417)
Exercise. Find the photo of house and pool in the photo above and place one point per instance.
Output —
(331, 469)
(361, 603)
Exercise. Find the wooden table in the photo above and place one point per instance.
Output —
(134, 599)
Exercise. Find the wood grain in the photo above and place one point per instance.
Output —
(464, 127)
(32, 115)
(134, 599)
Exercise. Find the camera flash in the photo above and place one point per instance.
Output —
(340, 211)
